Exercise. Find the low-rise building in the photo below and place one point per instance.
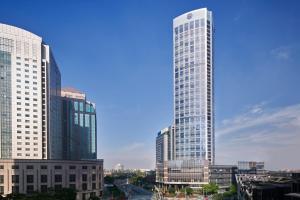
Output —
(251, 167)
(195, 174)
(222, 175)
(27, 176)
(268, 186)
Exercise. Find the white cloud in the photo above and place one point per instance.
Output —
(281, 53)
(261, 133)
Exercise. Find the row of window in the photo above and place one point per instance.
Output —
(191, 25)
(44, 178)
(26, 59)
(57, 167)
(79, 106)
(44, 188)
(26, 81)
(27, 154)
(27, 138)
(190, 35)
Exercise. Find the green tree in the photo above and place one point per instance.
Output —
(210, 188)
(109, 179)
(94, 198)
(233, 189)
(217, 197)
(189, 191)
(171, 190)
(66, 194)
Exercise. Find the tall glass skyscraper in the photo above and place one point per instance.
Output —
(193, 86)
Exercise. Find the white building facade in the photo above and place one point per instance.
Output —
(31, 133)
(193, 86)
(30, 88)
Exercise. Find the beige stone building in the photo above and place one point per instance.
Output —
(27, 176)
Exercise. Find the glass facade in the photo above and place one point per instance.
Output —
(6, 46)
(193, 86)
(79, 130)
(55, 135)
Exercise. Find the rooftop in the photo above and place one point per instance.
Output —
(72, 93)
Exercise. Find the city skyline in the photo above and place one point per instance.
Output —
(255, 105)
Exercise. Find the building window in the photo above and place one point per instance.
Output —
(76, 118)
(84, 186)
(1, 189)
(43, 166)
(84, 167)
(84, 177)
(93, 186)
(93, 177)
(30, 189)
(72, 186)
(81, 120)
(15, 166)
(81, 106)
(29, 166)
(72, 178)
(58, 178)
(29, 178)
(76, 106)
(57, 187)
(1, 166)
(15, 178)
(57, 167)
(44, 188)
(1, 179)
(15, 189)
(44, 178)
(72, 167)
(88, 108)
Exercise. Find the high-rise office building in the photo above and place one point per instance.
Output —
(185, 154)
(193, 86)
(79, 126)
(32, 145)
(164, 152)
(29, 97)
(164, 147)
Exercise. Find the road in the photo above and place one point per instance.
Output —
(135, 193)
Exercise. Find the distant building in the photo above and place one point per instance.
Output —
(164, 152)
(79, 126)
(165, 145)
(119, 167)
(250, 167)
(195, 174)
(222, 175)
(283, 186)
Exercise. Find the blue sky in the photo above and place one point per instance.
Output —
(120, 54)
